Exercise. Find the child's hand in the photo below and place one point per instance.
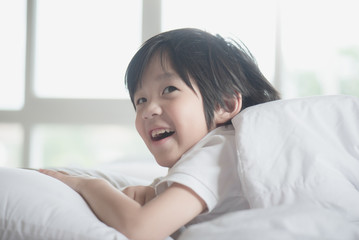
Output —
(141, 194)
(72, 181)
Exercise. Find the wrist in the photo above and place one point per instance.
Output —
(92, 184)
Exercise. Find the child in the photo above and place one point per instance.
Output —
(186, 85)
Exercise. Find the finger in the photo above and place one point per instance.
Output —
(52, 173)
(26, 168)
(49, 171)
(71, 181)
(150, 195)
(140, 198)
(46, 171)
(134, 193)
(129, 191)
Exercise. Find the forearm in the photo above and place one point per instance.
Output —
(154, 220)
(109, 204)
(119, 211)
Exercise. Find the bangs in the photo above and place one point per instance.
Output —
(141, 60)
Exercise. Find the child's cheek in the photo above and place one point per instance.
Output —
(140, 127)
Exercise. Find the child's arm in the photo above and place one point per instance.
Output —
(157, 219)
(141, 194)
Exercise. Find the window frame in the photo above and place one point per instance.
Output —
(37, 110)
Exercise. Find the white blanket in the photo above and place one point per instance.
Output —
(286, 222)
(298, 162)
(299, 168)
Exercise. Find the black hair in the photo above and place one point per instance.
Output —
(221, 68)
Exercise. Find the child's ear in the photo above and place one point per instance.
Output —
(223, 115)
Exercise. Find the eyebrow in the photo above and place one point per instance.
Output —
(161, 77)
(166, 76)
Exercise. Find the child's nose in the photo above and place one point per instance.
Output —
(152, 109)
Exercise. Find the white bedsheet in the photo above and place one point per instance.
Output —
(286, 222)
(299, 168)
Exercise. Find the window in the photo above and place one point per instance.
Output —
(11, 144)
(82, 51)
(62, 95)
(64, 82)
(57, 145)
(320, 48)
(12, 57)
(303, 47)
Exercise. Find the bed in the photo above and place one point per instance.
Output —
(298, 161)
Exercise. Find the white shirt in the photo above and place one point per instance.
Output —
(210, 169)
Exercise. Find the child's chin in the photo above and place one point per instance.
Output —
(165, 162)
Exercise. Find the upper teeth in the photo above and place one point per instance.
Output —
(158, 132)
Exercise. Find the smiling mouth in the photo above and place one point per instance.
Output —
(160, 134)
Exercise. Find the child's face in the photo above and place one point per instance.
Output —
(169, 115)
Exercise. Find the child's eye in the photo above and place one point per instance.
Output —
(140, 101)
(169, 89)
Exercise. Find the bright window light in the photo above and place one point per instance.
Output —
(12, 53)
(60, 145)
(11, 142)
(320, 47)
(83, 47)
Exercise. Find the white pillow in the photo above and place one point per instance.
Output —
(34, 206)
(301, 150)
(304, 222)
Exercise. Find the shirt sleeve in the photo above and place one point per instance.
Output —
(202, 168)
